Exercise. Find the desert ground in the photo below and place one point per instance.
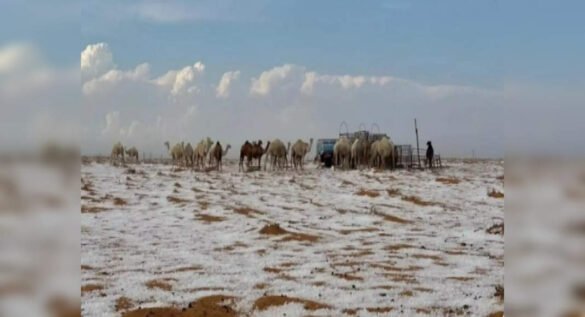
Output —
(162, 242)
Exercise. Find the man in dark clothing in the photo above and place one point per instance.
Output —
(430, 154)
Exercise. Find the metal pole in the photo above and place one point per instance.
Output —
(417, 145)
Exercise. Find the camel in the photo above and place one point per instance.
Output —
(201, 152)
(117, 151)
(188, 155)
(358, 152)
(132, 153)
(277, 152)
(373, 153)
(176, 152)
(258, 151)
(245, 152)
(288, 150)
(217, 152)
(383, 150)
(213, 156)
(298, 152)
(341, 152)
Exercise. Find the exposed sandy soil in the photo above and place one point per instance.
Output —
(158, 241)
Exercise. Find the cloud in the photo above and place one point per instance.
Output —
(96, 60)
(223, 88)
(37, 98)
(281, 76)
(18, 57)
(289, 102)
(181, 81)
(114, 77)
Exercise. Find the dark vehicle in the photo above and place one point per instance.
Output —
(325, 151)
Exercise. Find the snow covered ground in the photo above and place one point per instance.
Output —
(335, 243)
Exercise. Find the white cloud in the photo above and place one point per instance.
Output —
(112, 123)
(223, 88)
(277, 76)
(144, 111)
(96, 60)
(181, 81)
(18, 57)
(114, 77)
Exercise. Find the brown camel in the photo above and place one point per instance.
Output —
(258, 151)
(245, 152)
(217, 154)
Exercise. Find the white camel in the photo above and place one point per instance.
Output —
(117, 152)
(373, 153)
(358, 152)
(176, 152)
(132, 153)
(188, 155)
(383, 151)
(298, 152)
(276, 153)
(201, 152)
(341, 152)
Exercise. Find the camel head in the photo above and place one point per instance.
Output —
(267, 147)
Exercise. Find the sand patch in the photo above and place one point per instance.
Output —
(348, 276)
(272, 270)
(92, 209)
(210, 306)
(119, 201)
(203, 205)
(275, 229)
(88, 288)
(192, 268)
(448, 180)
(124, 303)
(177, 200)
(261, 286)
(393, 192)
(496, 229)
(300, 237)
(369, 193)
(205, 289)
(209, 218)
(160, 284)
(418, 201)
(349, 231)
(396, 247)
(247, 211)
(460, 278)
(427, 256)
(379, 310)
(391, 218)
(495, 194)
(266, 302)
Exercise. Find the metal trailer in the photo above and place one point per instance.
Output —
(404, 155)
(325, 151)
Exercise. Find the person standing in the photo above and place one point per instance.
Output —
(430, 154)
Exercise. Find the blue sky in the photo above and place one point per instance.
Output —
(460, 42)
(479, 75)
